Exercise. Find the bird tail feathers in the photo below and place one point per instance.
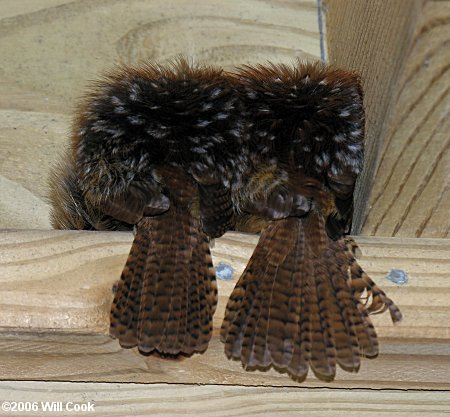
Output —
(167, 293)
(303, 301)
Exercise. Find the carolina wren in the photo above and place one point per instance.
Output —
(303, 301)
(184, 153)
(157, 147)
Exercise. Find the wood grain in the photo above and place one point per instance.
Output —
(64, 356)
(55, 297)
(411, 188)
(81, 268)
(36, 58)
(400, 48)
(219, 401)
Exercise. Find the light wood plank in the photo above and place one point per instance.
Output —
(371, 38)
(400, 48)
(36, 58)
(62, 356)
(56, 291)
(26, 163)
(27, 210)
(81, 268)
(414, 171)
(219, 401)
(11, 8)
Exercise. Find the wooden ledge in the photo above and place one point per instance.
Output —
(116, 400)
(55, 296)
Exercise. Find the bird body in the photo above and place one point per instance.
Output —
(183, 153)
(151, 147)
(303, 301)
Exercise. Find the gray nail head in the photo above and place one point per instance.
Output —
(224, 271)
(397, 276)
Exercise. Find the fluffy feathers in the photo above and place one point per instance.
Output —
(147, 142)
(186, 153)
(309, 118)
(303, 301)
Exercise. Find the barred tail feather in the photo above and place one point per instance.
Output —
(295, 306)
(125, 308)
(216, 209)
(167, 294)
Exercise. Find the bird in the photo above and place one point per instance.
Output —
(156, 148)
(303, 302)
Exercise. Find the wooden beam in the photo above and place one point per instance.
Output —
(221, 33)
(67, 356)
(63, 279)
(411, 190)
(55, 296)
(221, 401)
(400, 49)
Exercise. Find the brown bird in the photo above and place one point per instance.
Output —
(303, 301)
(159, 148)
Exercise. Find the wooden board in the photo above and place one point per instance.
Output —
(64, 356)
(220, 401)
(55, 297)
(81, 268)
(37, 59)
(400, 48)
(411, 193)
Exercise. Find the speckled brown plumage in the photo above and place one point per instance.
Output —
(157, 147)
(303, 301)
(167, 293)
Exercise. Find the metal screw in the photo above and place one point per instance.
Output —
(224, 271)
(397, 276)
